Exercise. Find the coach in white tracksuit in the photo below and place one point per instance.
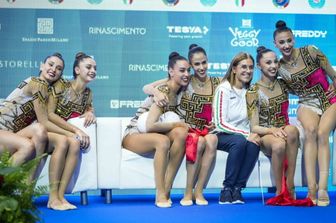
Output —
(233, 129)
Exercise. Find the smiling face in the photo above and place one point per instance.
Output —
(284, 41)
(180, 73)
(51, 70)
(243, 72)
(199, 63)
(86, 69)
(269, 64)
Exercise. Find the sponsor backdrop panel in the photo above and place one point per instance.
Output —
(131, 47)
(256, 6)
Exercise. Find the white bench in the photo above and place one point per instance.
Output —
(108, 166)
(119, 168)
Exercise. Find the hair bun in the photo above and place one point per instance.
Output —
(173, 54)
(192, 46)
(260, 49)
(56, 54)
(280, 24)
(80, 54)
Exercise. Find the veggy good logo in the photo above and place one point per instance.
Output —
(245, 36)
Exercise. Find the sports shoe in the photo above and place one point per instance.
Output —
(225, 196)
(237, 197)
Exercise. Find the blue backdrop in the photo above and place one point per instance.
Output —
(131, 47)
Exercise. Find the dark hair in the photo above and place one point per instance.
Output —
(280, 26)
(173, 58)
(261, 50)
(194, 48)
(230, 76)
(56, 54)
(80, 56)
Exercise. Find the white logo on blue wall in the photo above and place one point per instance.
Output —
(24, 64)
(187, 32)
(246, 23)
(117, 31)
(208, 2)
(281, 3)
(310, 33)
(95, 1)
(245, 36)
(98, 77)
(45, 26)
(147, 67)
(217, 68)
(116, 104)
(317, 4)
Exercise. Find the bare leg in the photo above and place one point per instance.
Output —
(292, 145)
(192, 172)
(69, 167)
(144, 143)
(177, 150)
(310, 121)
(205, 170)
(327, 124)
(21, 148)
(37, 133)
(276, 147)
(59, 146)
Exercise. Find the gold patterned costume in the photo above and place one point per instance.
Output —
(17, 110)
(196, 109)
(71, 104)
(271, 111)
(310, 81)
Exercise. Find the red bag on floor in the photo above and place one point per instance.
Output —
(284, 198)
(192, 141)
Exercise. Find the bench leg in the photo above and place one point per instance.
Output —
(108, 196)
(84, 198)
(103, 192)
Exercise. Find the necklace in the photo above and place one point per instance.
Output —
(77, 94)
(293, 62)
(270, 87)
(201, 84)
